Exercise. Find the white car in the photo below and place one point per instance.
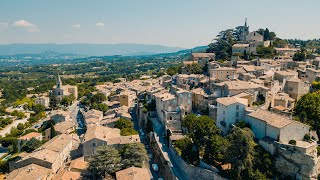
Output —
(155, 167)
(150, 156)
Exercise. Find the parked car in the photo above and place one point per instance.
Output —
(155, 167)
(150, 156)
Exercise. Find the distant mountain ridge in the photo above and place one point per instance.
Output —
(125, 49)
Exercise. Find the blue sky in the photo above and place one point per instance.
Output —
(181, 23)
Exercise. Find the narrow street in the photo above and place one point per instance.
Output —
(158, 130)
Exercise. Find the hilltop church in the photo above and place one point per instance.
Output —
(249, 41)
(59, 90)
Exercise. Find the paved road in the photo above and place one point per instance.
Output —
(159, 130)
(15, 123)
(154, 174)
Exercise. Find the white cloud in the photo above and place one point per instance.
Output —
(76, 26)
(26, 25)
(100, 25)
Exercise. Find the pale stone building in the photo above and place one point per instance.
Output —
(92, 117)
(133, 173)
(230, 110)
(296, 88)
(203, 58)
(59, 90)
(42, 100)
(223, 73)
(200, 100)
(31, 171)
(100, 136)
(312, 74)
(52, 155)
(264, 123)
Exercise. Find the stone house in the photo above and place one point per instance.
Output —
(92, 117)
(283, 100)
(230, 110)
(281, 76)
(31, 135)
(257, 71)
(60, 116)
(312, 74)
(287, 51)
(267, 124)
(65, 127)
(42, 100)
(232, 88)
(203, 58)
(31, 171)
(133, 173)
(255, 37)
(52, 155)
(286, 64)
(296, 88)
(241, 48)
(100, 136)
(223, 73)
(59, 90)
(199, 100)
(189, 82)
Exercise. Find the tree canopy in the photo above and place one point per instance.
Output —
(308, 110)
(134, 155)
(105, 162)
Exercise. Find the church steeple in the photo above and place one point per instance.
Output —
(59, 82)
(245, 23)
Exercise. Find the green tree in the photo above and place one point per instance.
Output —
(222, 46)
(123, 123)
(38, 108)
(31, 145)
(100, 106)
(299, 56)
(20, 126)
(240, 151)
(53, 132)
(308, 109)
(194, 68)
(216, 149)
(266, 35)
(98, 98)
(187, 151)
(105, 162)
(172, 70)
(53, 103)
(128, 132)
(134, 155)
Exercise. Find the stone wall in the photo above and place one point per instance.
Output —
(161, 158)
(191, 171)
(296, 164)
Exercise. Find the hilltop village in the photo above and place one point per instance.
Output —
(206, 119)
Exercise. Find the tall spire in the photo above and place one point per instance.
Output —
(59, 82)
(245, 24)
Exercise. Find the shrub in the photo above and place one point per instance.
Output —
(128, 132)
(144, 110)
(293, 142)
(307, 137)
(123, 123)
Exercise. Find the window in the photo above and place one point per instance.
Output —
(237, 114)
(237, 107)
(93, 144)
